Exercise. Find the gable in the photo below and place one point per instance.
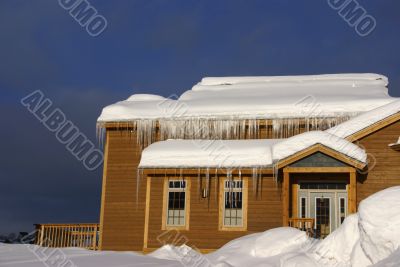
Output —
(318, 159)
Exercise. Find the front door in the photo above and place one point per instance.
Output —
(328, 207)
(322, 209)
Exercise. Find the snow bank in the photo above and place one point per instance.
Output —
(379, 217)
(258, 249)
(300, 142)
(208, 153)
(340, 246)
(369, 238)
(13, 255)
(362, 121)
(392, 261)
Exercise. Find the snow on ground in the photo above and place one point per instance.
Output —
(261, 97)
(239, 153)
(34, 256)
(369, 238)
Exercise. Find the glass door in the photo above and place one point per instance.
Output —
(322, 209)
(326, 203)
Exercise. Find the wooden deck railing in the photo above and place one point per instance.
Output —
(83, 235)
(303, 224)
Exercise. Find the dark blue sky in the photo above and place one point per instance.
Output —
(151, 46)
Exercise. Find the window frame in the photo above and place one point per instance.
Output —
(221, 226)
(164, 225)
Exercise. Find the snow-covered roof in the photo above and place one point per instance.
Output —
(260, 97)
(240, 153)
(364, 120)
(208, 154)
(297, 143)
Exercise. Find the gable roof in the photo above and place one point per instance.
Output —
(302, 145)
(323, 149)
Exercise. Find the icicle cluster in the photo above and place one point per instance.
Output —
(148, 131)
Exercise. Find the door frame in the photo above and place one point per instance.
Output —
(287, 192)
(306, 194)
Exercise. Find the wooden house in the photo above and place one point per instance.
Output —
(238, 155)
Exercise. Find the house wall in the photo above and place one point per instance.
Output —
(264, 213)
(122, 218)
(384, 162)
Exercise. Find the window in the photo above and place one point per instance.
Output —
(176, 202)
(233, 205)
(323, 186)
(303, 207)
(342, 209)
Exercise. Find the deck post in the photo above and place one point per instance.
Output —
(285, 197)
(147, 214)
(352, 205)
(41, 235)
(94, 242)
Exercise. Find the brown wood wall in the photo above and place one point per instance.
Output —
(384, 166)
(122, 222)
(264, 213)
(123, 219)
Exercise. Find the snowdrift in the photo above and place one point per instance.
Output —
(369, 238)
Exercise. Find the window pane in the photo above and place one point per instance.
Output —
(176, 203)
(303, 207)
(233, 198)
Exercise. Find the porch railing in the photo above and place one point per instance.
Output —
(83, 235)
(303, 224)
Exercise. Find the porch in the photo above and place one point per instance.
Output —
(83, 235)
(317, 199)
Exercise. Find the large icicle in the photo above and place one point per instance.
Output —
(150, 130)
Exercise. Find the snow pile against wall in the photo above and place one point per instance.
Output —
(379, 218)
(342, 246)
(261, 249)
(362, 121)
(208, 154)
(13, 255)
(300, 142)
(368, 237)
